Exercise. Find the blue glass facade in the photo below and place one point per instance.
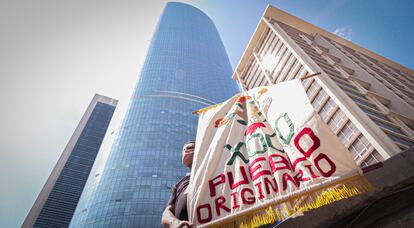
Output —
(186, 68)
(64, 196)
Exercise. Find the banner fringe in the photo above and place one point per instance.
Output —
(299, 204)
(206, 109)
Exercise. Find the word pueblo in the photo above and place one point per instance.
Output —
(268, 174)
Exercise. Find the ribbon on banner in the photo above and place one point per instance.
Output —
(265, 155)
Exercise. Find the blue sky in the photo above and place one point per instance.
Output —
(384, 27)
(56, 54)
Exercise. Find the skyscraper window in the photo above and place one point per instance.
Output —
(186, 69)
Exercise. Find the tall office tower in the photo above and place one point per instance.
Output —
(366, 99)
(56, 203)
(186, 69)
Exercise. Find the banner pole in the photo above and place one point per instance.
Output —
(240, 82)
(311, 75)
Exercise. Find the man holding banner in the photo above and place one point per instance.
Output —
(175, 215)
(265, 155)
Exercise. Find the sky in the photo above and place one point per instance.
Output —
(55, 55)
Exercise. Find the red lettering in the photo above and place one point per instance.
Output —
(213, 183)
(314, 138)
(297, 161)
(330, 162)
(313, 175)
(286, 177)
(254, 168)
(245, 179)
(259, 189)
(209, 215)
(267, 183)
(234, 197)
(299, 177)
(249, 200)
(280, 160)
(220, 204)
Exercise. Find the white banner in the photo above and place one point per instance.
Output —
(261, 148)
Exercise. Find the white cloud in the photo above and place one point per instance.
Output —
(344, 32)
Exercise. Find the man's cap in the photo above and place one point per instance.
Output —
(189, 141)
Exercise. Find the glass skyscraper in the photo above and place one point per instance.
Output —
(186, 68)
(56, 203)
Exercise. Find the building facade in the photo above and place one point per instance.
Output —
(56, 203)
(366, 99)
(186, 69)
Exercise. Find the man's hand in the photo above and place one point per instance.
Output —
(169, 219)
(182, 224)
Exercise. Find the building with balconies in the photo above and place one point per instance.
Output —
(366, 99)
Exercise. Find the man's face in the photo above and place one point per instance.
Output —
(188, 152)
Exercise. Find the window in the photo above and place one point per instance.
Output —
(381, 116)
(400, 140)
(327, 109)
(317, 102)
(366, 103)
(314, 86)
(389, 127)
(337, 120)
(347, 132)
(373, 158)
(359, 147)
